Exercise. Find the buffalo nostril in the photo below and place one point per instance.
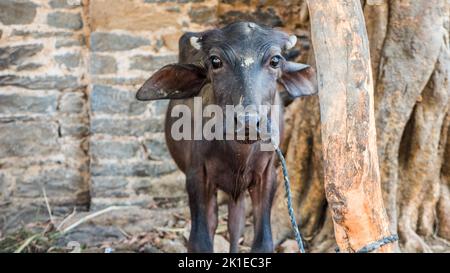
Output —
(247, 124)
(238, 123)
(252, 121)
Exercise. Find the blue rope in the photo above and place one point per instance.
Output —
(377, 244)
(287, 187)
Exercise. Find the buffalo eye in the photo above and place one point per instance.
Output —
(275, 61)
(216, 62)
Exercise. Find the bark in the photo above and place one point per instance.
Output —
(409, 48)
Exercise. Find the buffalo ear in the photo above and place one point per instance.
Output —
(298, 79)
(173, 81)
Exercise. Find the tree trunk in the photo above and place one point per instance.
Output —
(409, 48)
(411, 100)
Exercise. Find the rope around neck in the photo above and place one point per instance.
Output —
(287, 187)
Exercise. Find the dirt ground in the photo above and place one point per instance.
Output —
(163, 227)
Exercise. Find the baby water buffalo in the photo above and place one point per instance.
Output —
(238, 65)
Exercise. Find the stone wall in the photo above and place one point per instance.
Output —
(44, 117)
(69, 122)
(128, 40)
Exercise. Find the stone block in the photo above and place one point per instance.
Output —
(40, 82)
(57, 182)
(104, 41)
(69, 42)
(13, 12)
(157, 148)
(16, 55)
(72, 102)
(74, 127)
(113, 149)
(107, 99)
(65, 20)
(109, 187)
(101, 64)
(64, 4)
(151, 63)
(70, 60)
(28, 139)
(126, 127)
(137, 169)
(16, 103)
(203, 14)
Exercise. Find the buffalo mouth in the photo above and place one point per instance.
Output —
(246, 138)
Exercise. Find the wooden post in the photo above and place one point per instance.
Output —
(351, 171)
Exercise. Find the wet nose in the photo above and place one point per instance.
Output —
(247, 121)
(251, 121)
